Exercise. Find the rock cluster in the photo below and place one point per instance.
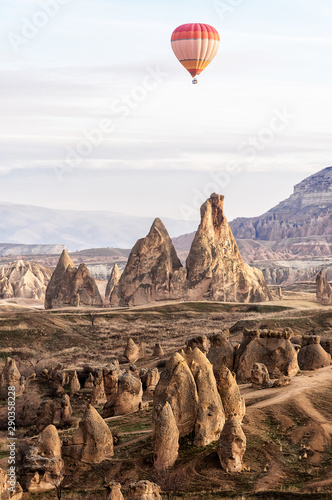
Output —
(214, 268)
(187, 399)
(273, 349)
(144, 490)
(312, 355)
(24, 279)
(92, 442)
(177, 387)
(127, 398)
(43, 465)
(202, 342)
(71, 287)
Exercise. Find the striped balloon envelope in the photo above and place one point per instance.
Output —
(195, 45)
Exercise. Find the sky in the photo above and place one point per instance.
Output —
(98, 114)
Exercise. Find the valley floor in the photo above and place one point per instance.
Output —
(289, 429)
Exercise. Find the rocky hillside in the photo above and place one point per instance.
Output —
(307, 212)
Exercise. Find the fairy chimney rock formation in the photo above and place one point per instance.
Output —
(232, 445)
(98, 395)
(151, 267)
(75, 385)
(66, 410)
(210, 414)
(114, 492)
(158, 350)
(45, 414)
(233, 402)
(11, 377)
(323, 289)
(260, 376)
(43, 465)
(221, 352)
(113, 281)
(111, 375)
(92, 442)
(89, 382)
(71, 287)
(150, 379)
(165, 437)
(132, 351)
(215, 268)
(55, 284)
(177, 387)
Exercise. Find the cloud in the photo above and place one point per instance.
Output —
(97, 54)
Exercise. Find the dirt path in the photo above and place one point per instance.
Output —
(142, 437)
(308, 381)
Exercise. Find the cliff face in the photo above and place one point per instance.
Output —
(307, 212)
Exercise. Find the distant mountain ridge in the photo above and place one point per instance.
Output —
(299, 226)
(77, 230)
(307, 212)
(286, 241)
(12, 249)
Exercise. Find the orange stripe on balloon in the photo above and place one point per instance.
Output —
(195, 45)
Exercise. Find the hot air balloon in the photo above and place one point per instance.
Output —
(195, 45)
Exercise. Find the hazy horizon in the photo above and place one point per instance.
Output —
(256, 124)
